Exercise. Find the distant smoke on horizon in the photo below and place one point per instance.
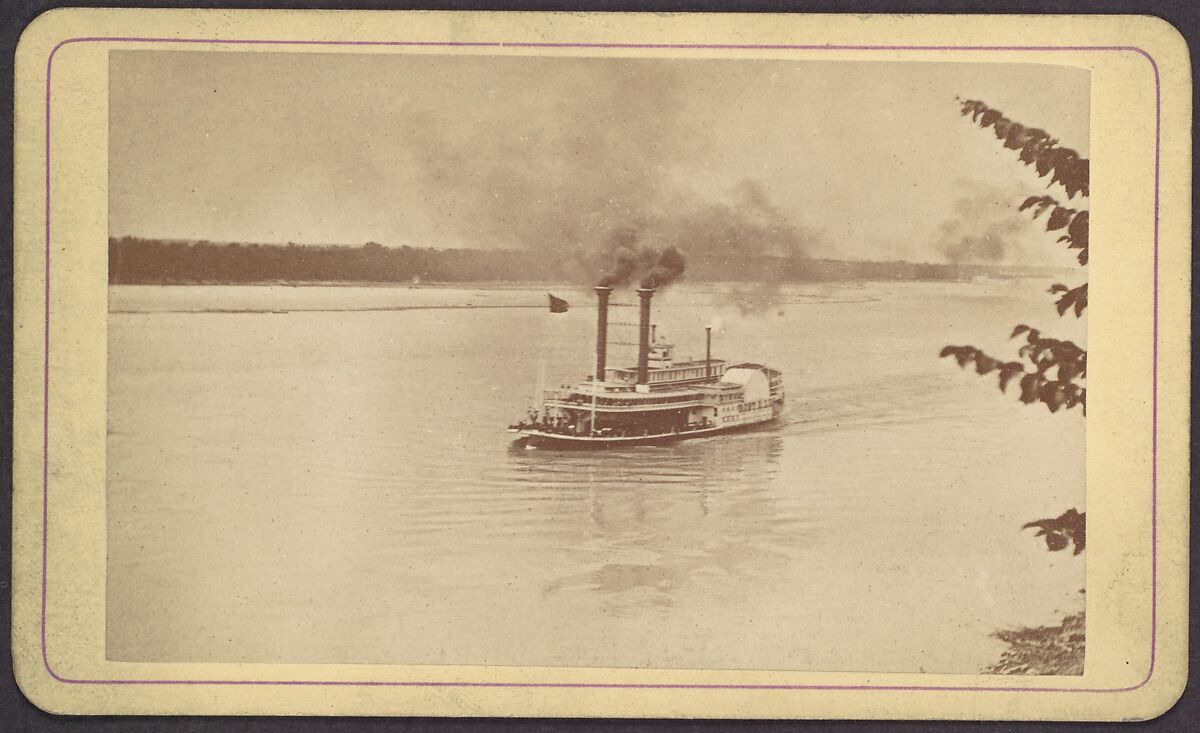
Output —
(986, 227)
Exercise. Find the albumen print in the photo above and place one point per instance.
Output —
(582, 361)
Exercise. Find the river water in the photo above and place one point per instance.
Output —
(322, 474)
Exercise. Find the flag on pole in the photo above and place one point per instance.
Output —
(557, 305)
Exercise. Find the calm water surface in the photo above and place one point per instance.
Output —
(321, 474)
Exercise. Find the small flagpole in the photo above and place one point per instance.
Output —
(593, 406)
(540, 387)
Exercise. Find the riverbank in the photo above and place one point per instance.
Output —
(1043, 650)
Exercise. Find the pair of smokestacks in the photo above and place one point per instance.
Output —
(643, 363)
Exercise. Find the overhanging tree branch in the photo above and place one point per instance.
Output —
(1050, 371)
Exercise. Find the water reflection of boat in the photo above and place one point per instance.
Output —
(657, 401)
(702, 517)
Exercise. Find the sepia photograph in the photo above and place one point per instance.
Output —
(606, 361)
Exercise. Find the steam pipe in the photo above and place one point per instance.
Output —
(602, 293)
(707, 351)
(644, 336)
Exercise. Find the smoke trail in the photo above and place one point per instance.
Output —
(668, 266)
(654, 268)
(580, 174)
(625, 264)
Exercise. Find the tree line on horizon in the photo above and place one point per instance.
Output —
(135, 260)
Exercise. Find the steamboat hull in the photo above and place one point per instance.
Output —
(539, 439)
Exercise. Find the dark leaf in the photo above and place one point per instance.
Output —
(1016, 136)
(1041, 203)
(1052, 395)
(1074, 176)
(1063, 162)
(1007, 372)
(1059, 218)
(1058, 288)
(989, 117)
(1019, 330)
(985, 364)
(1038, 135)
(1081, 301)
(1044, 162)
(1069, 527)
(1029, 388)
(1071, 391)
(1078, 230)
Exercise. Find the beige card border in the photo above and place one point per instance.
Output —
(1138, 320)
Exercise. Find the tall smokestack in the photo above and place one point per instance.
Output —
(644, 336)
(602, 293)
(707, 351)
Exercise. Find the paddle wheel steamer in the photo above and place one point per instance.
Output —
(657, 401)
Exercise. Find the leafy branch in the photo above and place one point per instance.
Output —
(1038, 149)
(1071, 298)
(1070, 527)
(1075, 222)
(1050, 371)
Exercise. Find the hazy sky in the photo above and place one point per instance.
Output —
(841, 159)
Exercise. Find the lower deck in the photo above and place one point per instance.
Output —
(548, 436)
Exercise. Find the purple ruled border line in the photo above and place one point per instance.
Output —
(663, 686)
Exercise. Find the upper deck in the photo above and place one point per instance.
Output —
(677, 373)
(615, 397)
(684, 386)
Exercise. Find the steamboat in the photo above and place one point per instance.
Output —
(659, 400)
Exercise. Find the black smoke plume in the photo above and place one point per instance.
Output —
(626, 260)
(593, 182)
(668, 266)
(653, 268)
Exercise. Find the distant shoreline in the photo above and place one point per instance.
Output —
(134, 261)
